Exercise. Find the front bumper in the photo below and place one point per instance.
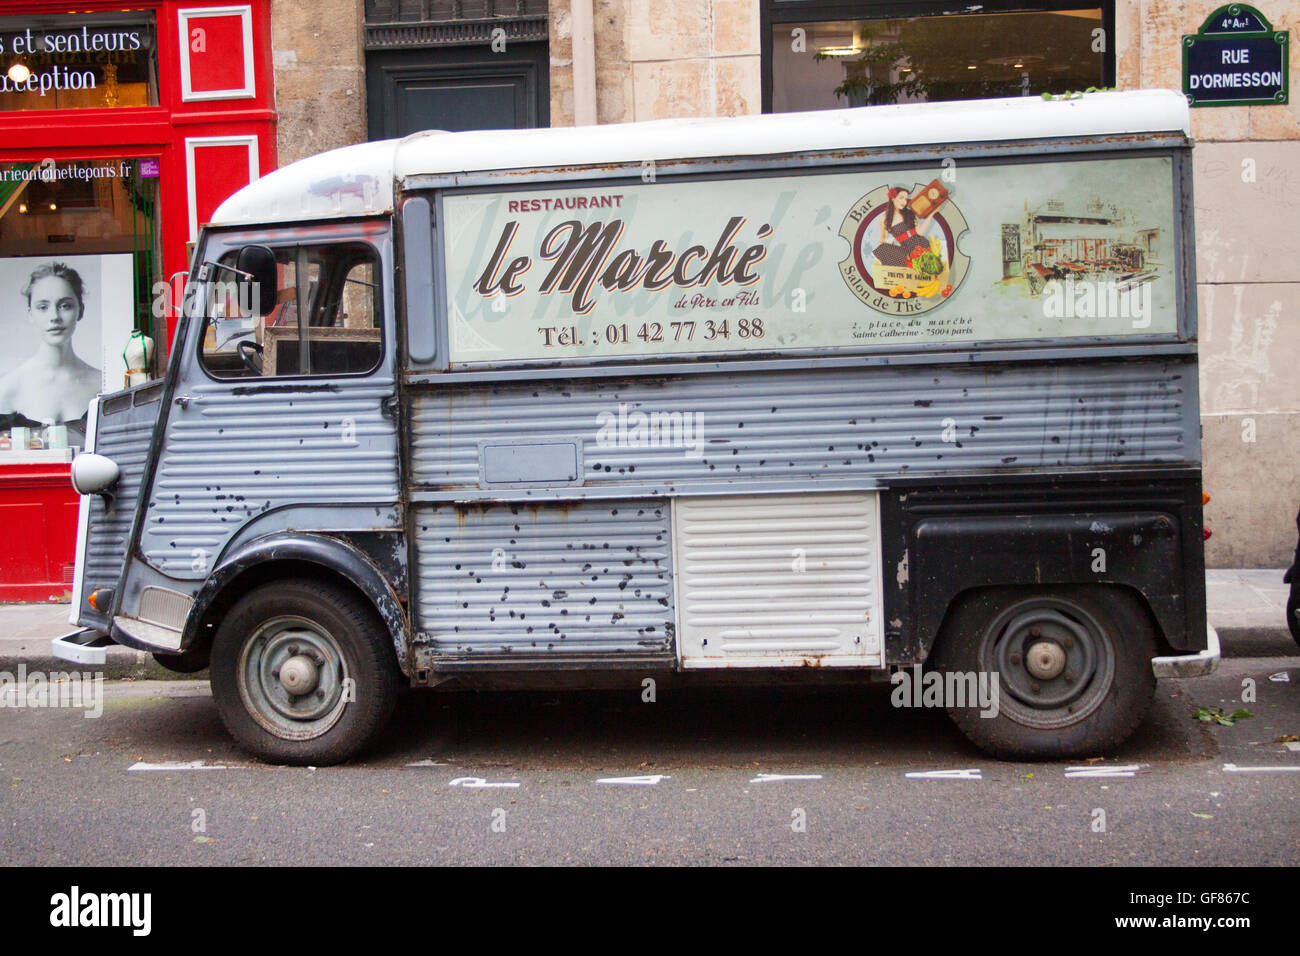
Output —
(1191, 665)
(82, 647)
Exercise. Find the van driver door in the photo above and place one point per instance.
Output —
(276, 421)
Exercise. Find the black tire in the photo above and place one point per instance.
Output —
(1292, 577)
(1293, 610)
(321, 631)
(1101, 640)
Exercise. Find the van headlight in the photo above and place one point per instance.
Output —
(93, 474)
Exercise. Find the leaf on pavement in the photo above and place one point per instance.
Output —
(1217, 715)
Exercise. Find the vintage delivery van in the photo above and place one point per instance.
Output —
(845, 392)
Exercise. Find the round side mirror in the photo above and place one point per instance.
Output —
(93, 474)
(259, 263)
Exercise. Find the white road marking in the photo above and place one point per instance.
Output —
(478, 783)
(190, 765)
(1281, 677)
(946, 775)
(1233, 768)
(1129, 770)
(429, 763)
(1293, 744)
(774, 777)
(647, 781)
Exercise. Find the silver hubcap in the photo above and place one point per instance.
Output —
(299, 675)
(1045, 660)
(1055, 662)
(292, 677)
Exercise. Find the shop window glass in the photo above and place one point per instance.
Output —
(79, 258)
(78, 61)
(871, 62)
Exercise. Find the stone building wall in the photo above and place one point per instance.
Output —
(1247, 191)
(668, 58)
(661, 58)
(657, 59)
(320, 76)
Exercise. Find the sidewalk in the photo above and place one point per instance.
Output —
(1246, 607)
(26, 631)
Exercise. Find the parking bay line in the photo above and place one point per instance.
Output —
(1233, 768)
(1130, 770)
(478, 783)
(971, 774)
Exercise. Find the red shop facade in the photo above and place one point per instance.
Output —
(122, 127)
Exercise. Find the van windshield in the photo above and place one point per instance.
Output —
(335, 287)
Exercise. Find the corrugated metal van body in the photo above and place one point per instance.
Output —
(123, 432)
(232, 454)
(751, 429)
(523, 579)
(711, 483)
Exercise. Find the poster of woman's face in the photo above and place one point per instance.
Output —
(64, 321)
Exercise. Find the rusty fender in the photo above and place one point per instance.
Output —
(327, 552)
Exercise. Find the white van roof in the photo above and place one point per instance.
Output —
(359, 180)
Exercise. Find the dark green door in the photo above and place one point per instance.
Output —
(457, 88)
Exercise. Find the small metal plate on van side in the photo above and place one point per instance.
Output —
(542, 461)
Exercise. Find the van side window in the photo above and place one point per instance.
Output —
(335, 287)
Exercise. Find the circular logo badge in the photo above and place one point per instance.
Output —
(903, 257)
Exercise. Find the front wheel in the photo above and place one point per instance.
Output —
(302, 673)
(1072, 664)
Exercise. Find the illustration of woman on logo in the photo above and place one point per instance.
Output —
(902, 236)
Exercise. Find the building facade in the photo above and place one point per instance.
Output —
(123, 126)
(121, 130)
(618, 61)
(664, 58)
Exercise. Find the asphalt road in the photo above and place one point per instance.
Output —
(71, 797)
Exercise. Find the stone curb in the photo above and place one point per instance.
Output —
(122, 663)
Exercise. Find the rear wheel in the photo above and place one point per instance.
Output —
(302, 673)
(1073, 667)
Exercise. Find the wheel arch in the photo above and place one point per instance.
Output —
(288, 555)
(972, 593)
(941, 544)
